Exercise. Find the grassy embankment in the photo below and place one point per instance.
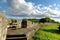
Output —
(48, 32)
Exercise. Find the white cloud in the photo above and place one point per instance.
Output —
(21, 7)
(49, 11)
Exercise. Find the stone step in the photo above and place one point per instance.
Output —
(21, 35)
(18, 39)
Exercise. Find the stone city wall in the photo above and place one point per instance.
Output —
(3, 27)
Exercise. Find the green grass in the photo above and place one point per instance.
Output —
(48, 32)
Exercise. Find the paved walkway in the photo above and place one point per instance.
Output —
(22, 31)
(22, 34)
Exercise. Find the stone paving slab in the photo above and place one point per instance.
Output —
(21, 31)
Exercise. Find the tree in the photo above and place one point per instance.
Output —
(13, 21)
(24, 23)
(47, 19)
(42, 20)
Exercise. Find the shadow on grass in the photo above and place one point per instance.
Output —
(52, 31)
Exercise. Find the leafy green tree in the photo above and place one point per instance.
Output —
(47, 19)
(13, 21)
(24, 23)
(42, 20)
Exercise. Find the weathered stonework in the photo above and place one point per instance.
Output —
(3, 27)
(19, 24)
(29, 31)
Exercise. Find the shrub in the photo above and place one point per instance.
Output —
(59, 27)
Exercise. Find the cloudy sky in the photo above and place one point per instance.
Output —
(31, 8)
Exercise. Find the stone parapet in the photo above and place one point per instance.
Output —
(3, 27)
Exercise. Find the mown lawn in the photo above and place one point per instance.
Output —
(48, 32)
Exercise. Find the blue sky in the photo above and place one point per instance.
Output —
(31, 8)
(44, 2)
